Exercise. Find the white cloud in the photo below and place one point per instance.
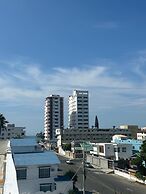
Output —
(28, 85)
(29, 82)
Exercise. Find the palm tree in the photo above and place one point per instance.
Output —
(3, 122)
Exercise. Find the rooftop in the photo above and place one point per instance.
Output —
(42, 158)
(29, 141)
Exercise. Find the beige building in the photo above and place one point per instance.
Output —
(133, 128)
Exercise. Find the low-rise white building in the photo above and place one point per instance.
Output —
(35, 170)
(112, 150)
(122, 139)
(141, 136)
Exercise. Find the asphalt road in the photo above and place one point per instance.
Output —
(98, 181)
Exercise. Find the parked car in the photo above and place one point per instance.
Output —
(69, 161)
(88, 165)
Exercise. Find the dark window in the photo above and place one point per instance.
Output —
(46, 187)
(21, 173)
(44, 172)
(101, 149)
(124, 149)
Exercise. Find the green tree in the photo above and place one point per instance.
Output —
(140, 161)
(3, 122)
(72, 192)
(66, 147)
(40, 136)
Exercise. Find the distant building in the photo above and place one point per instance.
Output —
(54, 116)
(121, 139)
(12, 132)
(92, 135)
(133, 128)
(112, 151)
(141, 136)
(79, 110)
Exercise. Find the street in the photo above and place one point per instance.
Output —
(98, 181)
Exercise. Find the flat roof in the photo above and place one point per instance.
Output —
(42, 158)
(29, 141)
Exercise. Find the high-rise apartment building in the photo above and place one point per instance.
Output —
(79, 110)
(53, 116)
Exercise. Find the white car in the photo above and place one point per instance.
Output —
(69, 161)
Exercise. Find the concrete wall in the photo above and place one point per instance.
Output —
(128, 176)
(98, 161)
(10, 185)
(61, 151)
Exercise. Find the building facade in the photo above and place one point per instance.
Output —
(112, 151)
(92, 135)
(54, 116)
(32, 170)
(78, 110)
(11, 131)
(121, 139)
(133, 128)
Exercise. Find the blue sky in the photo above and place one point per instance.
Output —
(52, 47)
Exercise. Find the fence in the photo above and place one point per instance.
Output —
(100, 162)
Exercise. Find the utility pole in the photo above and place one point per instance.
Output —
(83, 168)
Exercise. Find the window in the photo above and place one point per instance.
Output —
(47, 187)
(21, 173)
(124, 149)
(44, 172)
(101, 149)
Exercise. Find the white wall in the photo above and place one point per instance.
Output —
(10, 185)
(32, 183)
(62, 187)
(128, 176)
(127, 154)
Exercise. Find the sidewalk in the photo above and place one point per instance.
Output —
(104, 170)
